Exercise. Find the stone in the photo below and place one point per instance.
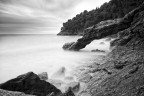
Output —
(69, 92)
(75, 86)
(97, 50)
(43, 76)
(30, 83)
(57, 83)
(85, 78)
(68, 45)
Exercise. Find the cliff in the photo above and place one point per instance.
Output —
(109, 10)
(121, 72)
(109, 27)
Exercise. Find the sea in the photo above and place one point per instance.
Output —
(22, 53)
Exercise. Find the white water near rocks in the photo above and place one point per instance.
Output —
(20, 54)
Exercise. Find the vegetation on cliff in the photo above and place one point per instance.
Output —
(111, 10)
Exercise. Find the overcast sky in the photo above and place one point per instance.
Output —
(45, 16)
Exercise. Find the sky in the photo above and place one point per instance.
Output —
(40, 16)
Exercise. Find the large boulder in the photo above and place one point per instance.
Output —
(30, 83)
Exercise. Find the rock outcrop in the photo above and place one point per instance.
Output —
(30, 83)
(107, 28)
(43, 76)
(109, 10)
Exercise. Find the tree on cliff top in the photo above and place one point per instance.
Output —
(111, 10)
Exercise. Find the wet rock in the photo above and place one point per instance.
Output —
(30, 83)
(51, 94)
(75, 86)
(85, 78)
(57, 83)
(43, 76)
(133, 70)
(84, 94)
(68, 45)
(97, 50)
(69, 92)
(105, 70)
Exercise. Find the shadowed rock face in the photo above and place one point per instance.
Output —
(107, 28)
(30, 83)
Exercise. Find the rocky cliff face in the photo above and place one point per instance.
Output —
(109, 27)
(121, 72)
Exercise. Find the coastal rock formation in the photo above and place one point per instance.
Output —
(30, 83)
(127, 25)
(101, 30)
(121, 72)
(109, 10)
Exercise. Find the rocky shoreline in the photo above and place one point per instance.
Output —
(31, 84)
(120, 73)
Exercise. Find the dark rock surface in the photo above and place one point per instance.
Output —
(121, 72)
(69, 92)
(98, 31)
(97, 50)
(68, 33)
(75, 86)
(30, 83)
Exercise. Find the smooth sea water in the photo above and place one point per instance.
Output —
(20, 54)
